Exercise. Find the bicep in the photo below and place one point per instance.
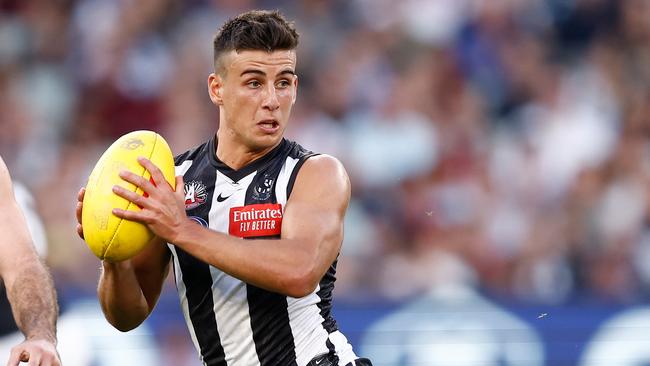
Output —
(315, 211)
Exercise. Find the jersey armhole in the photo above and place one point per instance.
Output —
(294, 173)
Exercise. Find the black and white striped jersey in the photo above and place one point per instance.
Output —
(232, 322)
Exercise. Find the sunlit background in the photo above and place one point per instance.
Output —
(498, 150)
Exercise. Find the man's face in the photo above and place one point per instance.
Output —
(255, 91)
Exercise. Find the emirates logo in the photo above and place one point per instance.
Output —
(256, 220)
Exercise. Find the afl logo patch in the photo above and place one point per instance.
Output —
(195, 194)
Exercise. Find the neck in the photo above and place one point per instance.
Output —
(237, 155)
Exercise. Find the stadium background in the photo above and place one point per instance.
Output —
(498, 152)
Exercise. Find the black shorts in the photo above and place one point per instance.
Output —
(332, 360)
(360, 362)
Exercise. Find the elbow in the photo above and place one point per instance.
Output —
(122, 318)
(298, 290)
(302, 283)
(125, 328)
(123, 325)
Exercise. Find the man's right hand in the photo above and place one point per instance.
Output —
(37, 352)
(80, 205)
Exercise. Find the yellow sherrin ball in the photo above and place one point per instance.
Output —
(108, 236)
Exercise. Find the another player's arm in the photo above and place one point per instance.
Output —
(29, 286)
(129, 290)
(312, 230)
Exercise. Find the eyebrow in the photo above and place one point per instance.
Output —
(262, 73)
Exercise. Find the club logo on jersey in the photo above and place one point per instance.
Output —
(195, 194)
(263, 219)
(262, 191)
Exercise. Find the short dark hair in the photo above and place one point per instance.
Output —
(255, 30)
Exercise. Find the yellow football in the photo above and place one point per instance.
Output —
(108, 236)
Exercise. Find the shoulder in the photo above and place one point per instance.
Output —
(324, 173)
(323, 164)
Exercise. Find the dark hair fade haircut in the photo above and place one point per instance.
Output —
(255, 30)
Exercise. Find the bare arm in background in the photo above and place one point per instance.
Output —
(29, 286)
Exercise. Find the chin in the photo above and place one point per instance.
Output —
(265, 142)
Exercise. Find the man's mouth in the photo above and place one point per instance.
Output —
(269, 125)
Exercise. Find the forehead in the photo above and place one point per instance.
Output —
(258, 59)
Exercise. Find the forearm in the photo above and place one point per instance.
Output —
(33, 301)
(279, 265)
(121, 296)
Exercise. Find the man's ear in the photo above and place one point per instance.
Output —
(215, 88)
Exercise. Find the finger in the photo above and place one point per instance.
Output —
(131, 196)
(156, 173)
(180, 187)
(81, 194)
(138, 181)
(47, 359)
(34, 359)
(80, 231)
(139, 216)
(79, 210)
(14, 357)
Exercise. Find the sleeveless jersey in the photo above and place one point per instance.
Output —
(231, 322)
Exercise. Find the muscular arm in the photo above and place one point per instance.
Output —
(129, 290)
(312, 232)
(33, 300)
(29, 287)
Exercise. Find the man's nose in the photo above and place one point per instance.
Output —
(271, 101)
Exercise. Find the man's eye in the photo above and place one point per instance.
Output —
(283, 83)
(254, 84)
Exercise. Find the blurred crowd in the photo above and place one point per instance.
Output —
(510, 137)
